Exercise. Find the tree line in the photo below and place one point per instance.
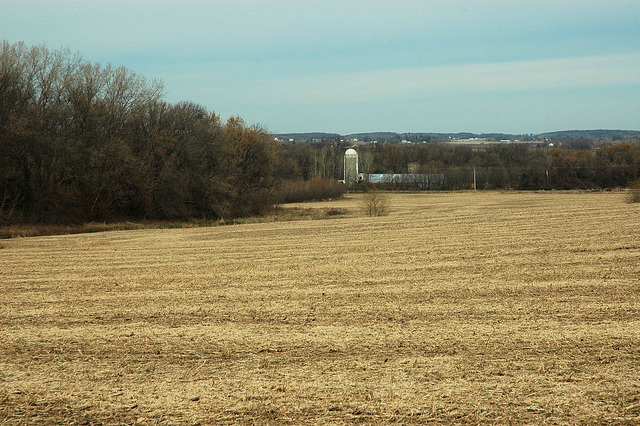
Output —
(84, 142)
(497, 166)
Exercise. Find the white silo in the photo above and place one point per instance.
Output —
(350, 167)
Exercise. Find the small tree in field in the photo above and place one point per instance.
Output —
(375, 203)
(633, 194)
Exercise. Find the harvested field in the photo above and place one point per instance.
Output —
(454, 308)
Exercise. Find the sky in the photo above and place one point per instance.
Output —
(509, 66)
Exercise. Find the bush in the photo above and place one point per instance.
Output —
(375, 203)
(317, 189)
(633, 193)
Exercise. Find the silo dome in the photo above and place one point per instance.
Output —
(351, 151)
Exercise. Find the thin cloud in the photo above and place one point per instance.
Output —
(320, 64)
(419, 82)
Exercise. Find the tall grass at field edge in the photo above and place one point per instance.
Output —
(278, 214)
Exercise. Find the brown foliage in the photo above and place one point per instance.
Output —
(316, 189)
(81, 142)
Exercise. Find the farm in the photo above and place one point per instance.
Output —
(457, 307)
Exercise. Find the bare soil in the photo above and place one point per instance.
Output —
(499, 308)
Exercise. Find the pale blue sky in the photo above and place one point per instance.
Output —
(518, 66)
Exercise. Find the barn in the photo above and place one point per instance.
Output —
(406, 180)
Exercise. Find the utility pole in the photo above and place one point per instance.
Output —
(474, 180)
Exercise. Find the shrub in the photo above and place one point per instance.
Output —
(633, 193)
(375, 203)
(317, 189)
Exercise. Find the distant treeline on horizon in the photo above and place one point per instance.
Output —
(434, 136)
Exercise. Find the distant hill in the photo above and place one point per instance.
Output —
(592, 134)
(307, 136)
(397, 137)
(430, 136)
(373, 136)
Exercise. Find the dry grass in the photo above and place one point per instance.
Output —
(455, 308)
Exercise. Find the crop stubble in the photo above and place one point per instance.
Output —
(456, 307)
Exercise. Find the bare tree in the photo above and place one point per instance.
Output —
(375, 203)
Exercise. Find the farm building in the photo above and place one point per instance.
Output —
(399, 180)
(423, 181)
(350, 167)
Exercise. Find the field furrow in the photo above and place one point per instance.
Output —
(455, 308)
